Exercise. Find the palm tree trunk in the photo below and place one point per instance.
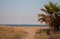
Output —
(56, 23)
(51, 23)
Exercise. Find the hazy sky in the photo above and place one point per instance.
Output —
(21, 11)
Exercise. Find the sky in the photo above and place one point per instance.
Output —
(21, 11)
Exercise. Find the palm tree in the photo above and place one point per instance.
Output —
(52, 11)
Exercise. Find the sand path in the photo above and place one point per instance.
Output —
(31, 32)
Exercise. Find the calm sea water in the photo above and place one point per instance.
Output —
(22, 24)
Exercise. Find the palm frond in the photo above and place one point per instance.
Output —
(44, 10)
(49, 10)
(41, 19)
(43, 16)
(53, 7)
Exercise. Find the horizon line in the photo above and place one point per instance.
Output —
(23, 24)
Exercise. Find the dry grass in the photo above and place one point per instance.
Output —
(7, 32)
(10, 32)
(55, 36)
(42, 34)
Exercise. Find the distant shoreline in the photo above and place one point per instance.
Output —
(22, 25)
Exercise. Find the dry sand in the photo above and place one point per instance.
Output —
(18, 32)
(31, 30)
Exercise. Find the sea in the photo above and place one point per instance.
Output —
(27, 25)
